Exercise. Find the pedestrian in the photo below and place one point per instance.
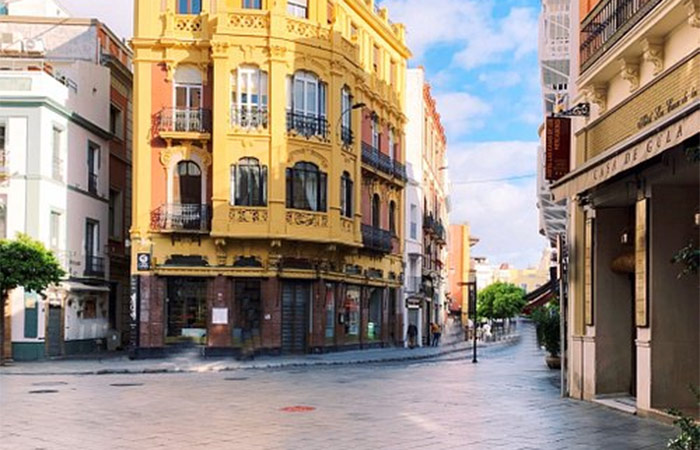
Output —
(412, 333)
(433, 334)
(438, 334)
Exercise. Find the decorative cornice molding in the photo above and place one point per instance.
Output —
(598, 95)
(693, 8)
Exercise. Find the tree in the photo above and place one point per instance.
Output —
(500, 301)
(25, 263)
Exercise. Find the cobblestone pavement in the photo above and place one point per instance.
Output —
(509, 400)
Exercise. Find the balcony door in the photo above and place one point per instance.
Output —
(188, 107)
(189, 208)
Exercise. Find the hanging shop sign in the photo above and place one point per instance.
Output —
(557, 147)
(143, 261)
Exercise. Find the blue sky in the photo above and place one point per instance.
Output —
(480, 57)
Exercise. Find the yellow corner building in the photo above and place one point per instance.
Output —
(268, 176)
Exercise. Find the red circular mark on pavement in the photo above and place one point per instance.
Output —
(298, 409)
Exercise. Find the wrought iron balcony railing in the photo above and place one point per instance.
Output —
(94, 266)
(307, 125)
(370, 155)
(346, 135)
(249, 116)
(400, 171)
(193, 218)
(376, 239)
(607, 23)
(428, 221)
(184, 120)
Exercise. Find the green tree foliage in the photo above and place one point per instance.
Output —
(500, 301)
(27, 263)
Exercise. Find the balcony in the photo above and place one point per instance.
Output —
(428, 222)
(307, 125)
(382, 162)
(173, 122)
(94, 266)
(346, 136)
(607, 23)
(253, 117)
(376, 239)
(182, 218)
(440, 232)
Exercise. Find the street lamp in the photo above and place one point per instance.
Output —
(347, 110)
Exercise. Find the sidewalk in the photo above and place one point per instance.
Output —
(192, 363)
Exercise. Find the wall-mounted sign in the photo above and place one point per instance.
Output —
(143, 261)
(557, 147)
(219, 316)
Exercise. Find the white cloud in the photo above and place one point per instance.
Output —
(498, 79)
(469, 25)
(502, 214)
(118, 15)
(461, 112)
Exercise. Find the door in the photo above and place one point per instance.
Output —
(295, 319)
(188, 107)
(54, 336)
(190, 206)
(186, 311)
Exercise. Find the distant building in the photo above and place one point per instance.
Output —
(528, 279)
(461, 269)
(65, 158)
(427, 207)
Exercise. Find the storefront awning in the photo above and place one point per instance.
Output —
(670, 132)
(540, 296)
(74, 286)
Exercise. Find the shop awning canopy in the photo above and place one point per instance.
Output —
(628, 154)
(540, 296)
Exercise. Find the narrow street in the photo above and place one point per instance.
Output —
(508, 400)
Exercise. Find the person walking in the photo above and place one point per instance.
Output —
(438, 334)
(433, 334)
(412, 333)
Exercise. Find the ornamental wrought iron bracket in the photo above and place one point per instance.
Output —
(579, 110)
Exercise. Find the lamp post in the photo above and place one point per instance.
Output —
(346, 111)
(471, 296)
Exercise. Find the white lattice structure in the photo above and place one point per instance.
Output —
(554, 56)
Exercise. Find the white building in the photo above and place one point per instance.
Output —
(56, 127)
(427, 207)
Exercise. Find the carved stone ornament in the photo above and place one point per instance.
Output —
(693, 8)
(307, 219)
(598, 95)
(219, 48)
(248, 215)
(184, 152)
(629, 71)
(653, 52)
(278, 51)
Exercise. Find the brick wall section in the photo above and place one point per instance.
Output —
(271, 304)
(220, 295)
(152, 327)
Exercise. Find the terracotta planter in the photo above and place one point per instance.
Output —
(553, 362)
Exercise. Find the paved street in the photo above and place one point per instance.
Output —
(509, 400)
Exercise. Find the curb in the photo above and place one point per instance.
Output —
(457, 348)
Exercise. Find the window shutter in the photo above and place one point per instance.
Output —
(350, 197)
(290, 184)
(233, 184)
(263, 185)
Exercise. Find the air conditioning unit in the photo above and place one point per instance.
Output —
(34, 47)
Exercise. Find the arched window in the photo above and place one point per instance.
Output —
(306, 105)
(376, 211)
(248, 183)
(306, 187)
(346, 195)
(249, 97)
(189, 6)
(392, 217)
(189, 183)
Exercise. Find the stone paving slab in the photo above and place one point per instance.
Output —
(509, 400)
(191, 363)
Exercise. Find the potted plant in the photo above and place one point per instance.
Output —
(547, 325)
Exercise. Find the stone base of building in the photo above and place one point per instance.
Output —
(231, 316)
